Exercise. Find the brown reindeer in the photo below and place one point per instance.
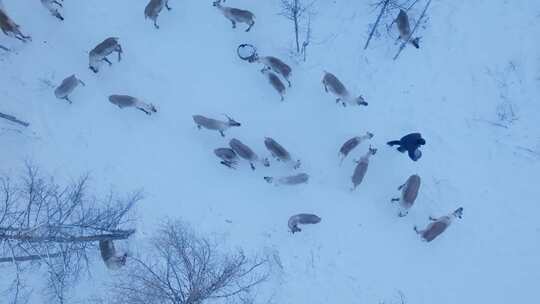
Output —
(275, 82)
(66, 87)
(438, 225)
(102, 50)
(302, 218)
(10, 28)
(404, 29)
(109, 255)
(409, 192)
(361, 168)
(350, 144)
(154, 8)
(279, 153)
(245, 152)
(276, 65)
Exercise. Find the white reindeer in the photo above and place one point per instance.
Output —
(332, 84)
(236, 15)
(290, 180)
(52, 6)
(126, 101)
(214, 124)
(154, 8)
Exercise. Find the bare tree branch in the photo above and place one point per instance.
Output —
(306, 42)
(186, 269)
(57, 226)
(13, 118)
(294, 10)
(374, 28)
(27, 258)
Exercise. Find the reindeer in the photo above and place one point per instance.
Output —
(245, 152)
(228, 157)
(276, 65)
(66, 87)
(350, 144)
(278, 152)
(330, 82)
(291, 180)
(124, 101)
(10, 28)
(52, 6)
(102, 50)
(153, 9)
(361, 168)
(404, 29)
(214, 124)
(236, 15)
(439, 225)
(409, 192)
(112, 259)
(276, 83)
(302, 218)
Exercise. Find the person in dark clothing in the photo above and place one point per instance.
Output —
(411, 143)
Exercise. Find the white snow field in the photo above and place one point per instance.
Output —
(477, 58)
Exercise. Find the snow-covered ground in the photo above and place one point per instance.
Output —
(475, 56)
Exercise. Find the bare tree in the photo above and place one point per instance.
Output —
(295, 11)
(183, 268)
(45, 227)
(507, 80)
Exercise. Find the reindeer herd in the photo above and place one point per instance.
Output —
(277, 72)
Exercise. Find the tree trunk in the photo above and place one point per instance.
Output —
(296, 33)
(13, 119)
(295, 17)
(34, 257)
(376, 23)
(68, 239)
